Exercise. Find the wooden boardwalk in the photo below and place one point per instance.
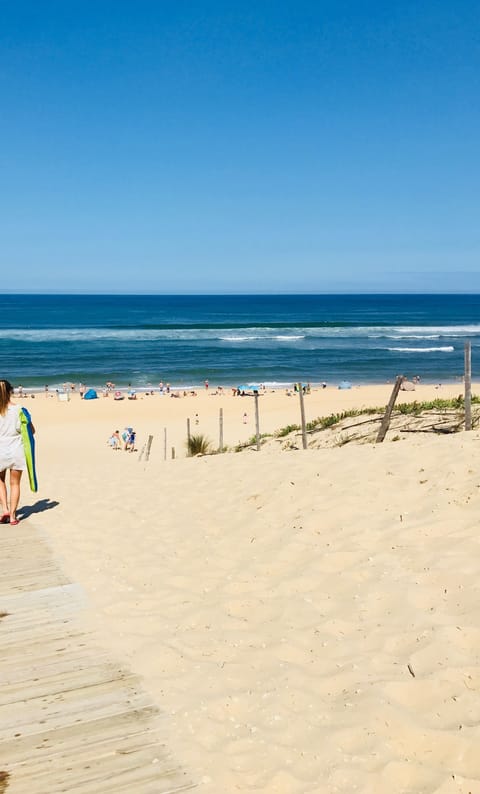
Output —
(71, 718)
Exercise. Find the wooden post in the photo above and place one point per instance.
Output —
(388, 413)
(173, 453)
(149, 444)
(257, 422)
(221, 430)
(302, 416)
(468, 386)
(164, 443)
(188, 432)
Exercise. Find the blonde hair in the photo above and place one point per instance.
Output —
(6, 390)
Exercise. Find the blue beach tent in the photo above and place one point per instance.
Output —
(91, 394)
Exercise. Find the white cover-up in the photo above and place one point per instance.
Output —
(12, 455)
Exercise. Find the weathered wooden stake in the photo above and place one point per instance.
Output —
(173, 453)
(468, 386)
(220, 446)
(164, 443)
(257, 422)
(188, 432)
(149, 444)
(302, 416)
(388, 413)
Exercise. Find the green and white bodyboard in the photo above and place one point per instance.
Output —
(28, 441)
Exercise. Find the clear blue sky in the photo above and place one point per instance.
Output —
(183, 146)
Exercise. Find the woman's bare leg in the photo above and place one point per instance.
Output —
(15, 477)
(3, 493)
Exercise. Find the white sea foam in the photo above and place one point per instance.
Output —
(235, 335)
(445, 349)
(263, 337)
(408, 337)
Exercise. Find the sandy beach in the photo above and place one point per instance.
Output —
(307, 620)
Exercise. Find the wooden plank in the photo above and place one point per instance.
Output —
(41, 686)
(73, 737)
(88, 768)
(55, 596)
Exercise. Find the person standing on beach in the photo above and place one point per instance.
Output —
(12, 455)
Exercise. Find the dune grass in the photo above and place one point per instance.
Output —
(198, 445)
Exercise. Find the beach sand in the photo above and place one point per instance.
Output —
(308, 620)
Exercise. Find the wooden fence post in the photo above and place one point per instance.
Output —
(220, 447)
(468, 386)
(149, 445)
(257, 421)
(302, 416)
(388, 413)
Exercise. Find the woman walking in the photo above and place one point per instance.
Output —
(12, 454)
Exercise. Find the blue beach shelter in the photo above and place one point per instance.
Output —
(345, 384)
(91, 394)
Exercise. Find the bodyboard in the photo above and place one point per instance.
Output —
(28, 441)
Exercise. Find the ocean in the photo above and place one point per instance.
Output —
(235, 339)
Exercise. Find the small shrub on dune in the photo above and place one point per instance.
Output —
(198, 445)
(284, 431)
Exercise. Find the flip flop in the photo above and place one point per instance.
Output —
(5, 518)
(14, 522)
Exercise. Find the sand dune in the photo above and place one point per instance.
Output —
(307, 620)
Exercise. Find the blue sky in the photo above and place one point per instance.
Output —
(170, 146)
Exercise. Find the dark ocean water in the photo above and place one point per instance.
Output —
(233, 339)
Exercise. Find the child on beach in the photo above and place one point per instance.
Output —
(114, 440)
(130, 445)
